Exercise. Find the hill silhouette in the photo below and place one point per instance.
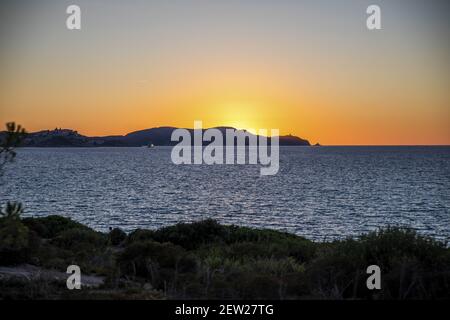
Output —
(160, 136)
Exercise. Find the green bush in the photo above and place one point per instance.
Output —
(79, 240)
(192, 235)
(160, 263)
(165, 255)
(14, 242)
(140, 235)
(117, 236)
(412, 266)
(51, 226)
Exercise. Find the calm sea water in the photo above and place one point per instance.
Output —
(320, 193)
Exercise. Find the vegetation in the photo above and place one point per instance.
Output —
(206, 260)
(14, 237)
(10, 139)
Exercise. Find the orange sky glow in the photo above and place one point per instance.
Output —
(336, 85)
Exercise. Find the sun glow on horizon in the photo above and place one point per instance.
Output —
(239, 115)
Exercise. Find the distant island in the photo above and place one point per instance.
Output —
(160, 136)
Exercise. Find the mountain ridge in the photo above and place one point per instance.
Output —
(158, 136)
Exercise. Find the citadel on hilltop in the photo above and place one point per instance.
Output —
(58, 132)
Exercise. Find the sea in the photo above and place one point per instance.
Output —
(321, 193)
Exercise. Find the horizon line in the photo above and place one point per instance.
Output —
(245, 129)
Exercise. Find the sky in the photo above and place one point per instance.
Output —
(308, 68)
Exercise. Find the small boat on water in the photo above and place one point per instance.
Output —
(151, 145)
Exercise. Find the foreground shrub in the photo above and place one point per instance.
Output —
(209, 260)
(139, 235)
(412, 266)
(117, 236)
(196, 235)
(79, 240)
(192, 235)
(160, 263)
(14, 242)
(51, 226)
